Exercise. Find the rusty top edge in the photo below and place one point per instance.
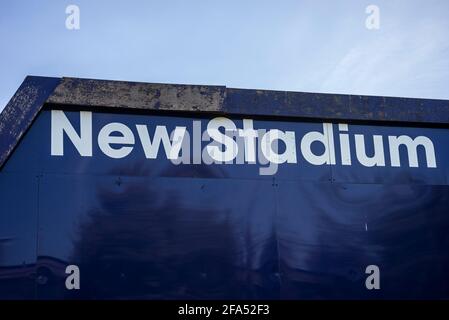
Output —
(206, 99)
(137, 95)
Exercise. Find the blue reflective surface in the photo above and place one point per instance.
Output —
(140, 228)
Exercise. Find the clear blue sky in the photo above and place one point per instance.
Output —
(315, 46)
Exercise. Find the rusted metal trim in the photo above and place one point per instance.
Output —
(136, 95)
(247, 102)
(21, 110)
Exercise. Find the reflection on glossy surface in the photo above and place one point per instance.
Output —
(162, 238)
(177, 238)
(18, 233)
(336, 230)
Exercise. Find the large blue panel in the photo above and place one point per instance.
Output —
(163, 238)
(329, 233)
(18, 235)
(141, 228)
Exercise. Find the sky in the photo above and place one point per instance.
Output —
(311, 46)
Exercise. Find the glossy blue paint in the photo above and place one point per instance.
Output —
(18, 235)
(148, 229)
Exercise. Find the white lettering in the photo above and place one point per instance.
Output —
(60, 124)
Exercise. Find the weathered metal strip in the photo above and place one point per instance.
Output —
(149, 96)
(21, 110)
(336, 106)
(199, 98)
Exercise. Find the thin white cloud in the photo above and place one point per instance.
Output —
(400, 62)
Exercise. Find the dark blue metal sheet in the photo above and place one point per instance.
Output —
(165, 238)
(18, 235)
(329, 233)
(142, 228)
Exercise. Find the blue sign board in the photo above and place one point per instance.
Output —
(158, 206)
